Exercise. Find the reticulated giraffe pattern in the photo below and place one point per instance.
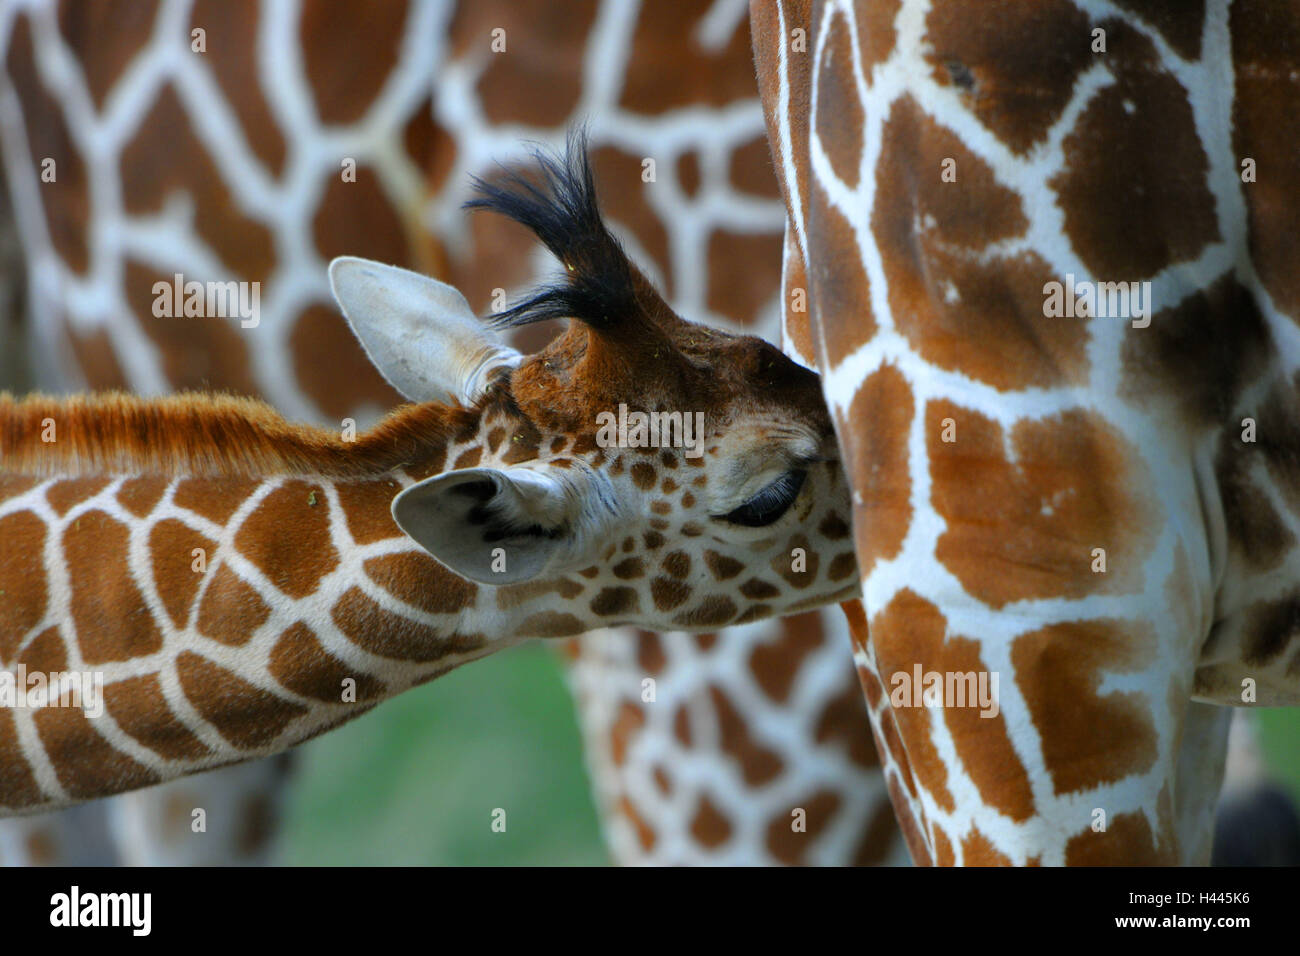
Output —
(175, 162)
(420, 105)
(711, 203)
(1099, 507)
(312, 556)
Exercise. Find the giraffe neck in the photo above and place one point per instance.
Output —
(229, 612)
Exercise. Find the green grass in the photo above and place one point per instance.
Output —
(416, 780)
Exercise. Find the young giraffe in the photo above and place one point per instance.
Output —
(249, 135)
(1101, 510)
(234, 576)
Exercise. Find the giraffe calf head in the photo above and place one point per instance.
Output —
(682, 476)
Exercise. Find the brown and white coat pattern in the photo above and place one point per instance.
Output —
(927, 310)
(226, 164)
(291, 515)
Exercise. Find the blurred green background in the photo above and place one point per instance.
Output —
(1279, 739)
(415, 781)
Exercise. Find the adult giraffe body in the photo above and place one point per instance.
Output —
(1100, 509)
(226, 163)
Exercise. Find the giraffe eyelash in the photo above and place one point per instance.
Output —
(770, 504)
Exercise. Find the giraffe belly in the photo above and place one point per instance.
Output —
(1225, 686)
(1254, 664)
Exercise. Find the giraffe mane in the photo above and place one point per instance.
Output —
(600, 286)
(208, 434)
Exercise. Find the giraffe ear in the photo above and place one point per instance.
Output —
(420, 333)
(499, 525)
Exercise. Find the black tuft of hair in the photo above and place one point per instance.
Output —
(598, 286)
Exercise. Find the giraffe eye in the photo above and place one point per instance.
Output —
(770, 503)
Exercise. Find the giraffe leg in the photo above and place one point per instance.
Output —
(1201, 760)
(227, 817)
(157, 827)
(76, 836)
